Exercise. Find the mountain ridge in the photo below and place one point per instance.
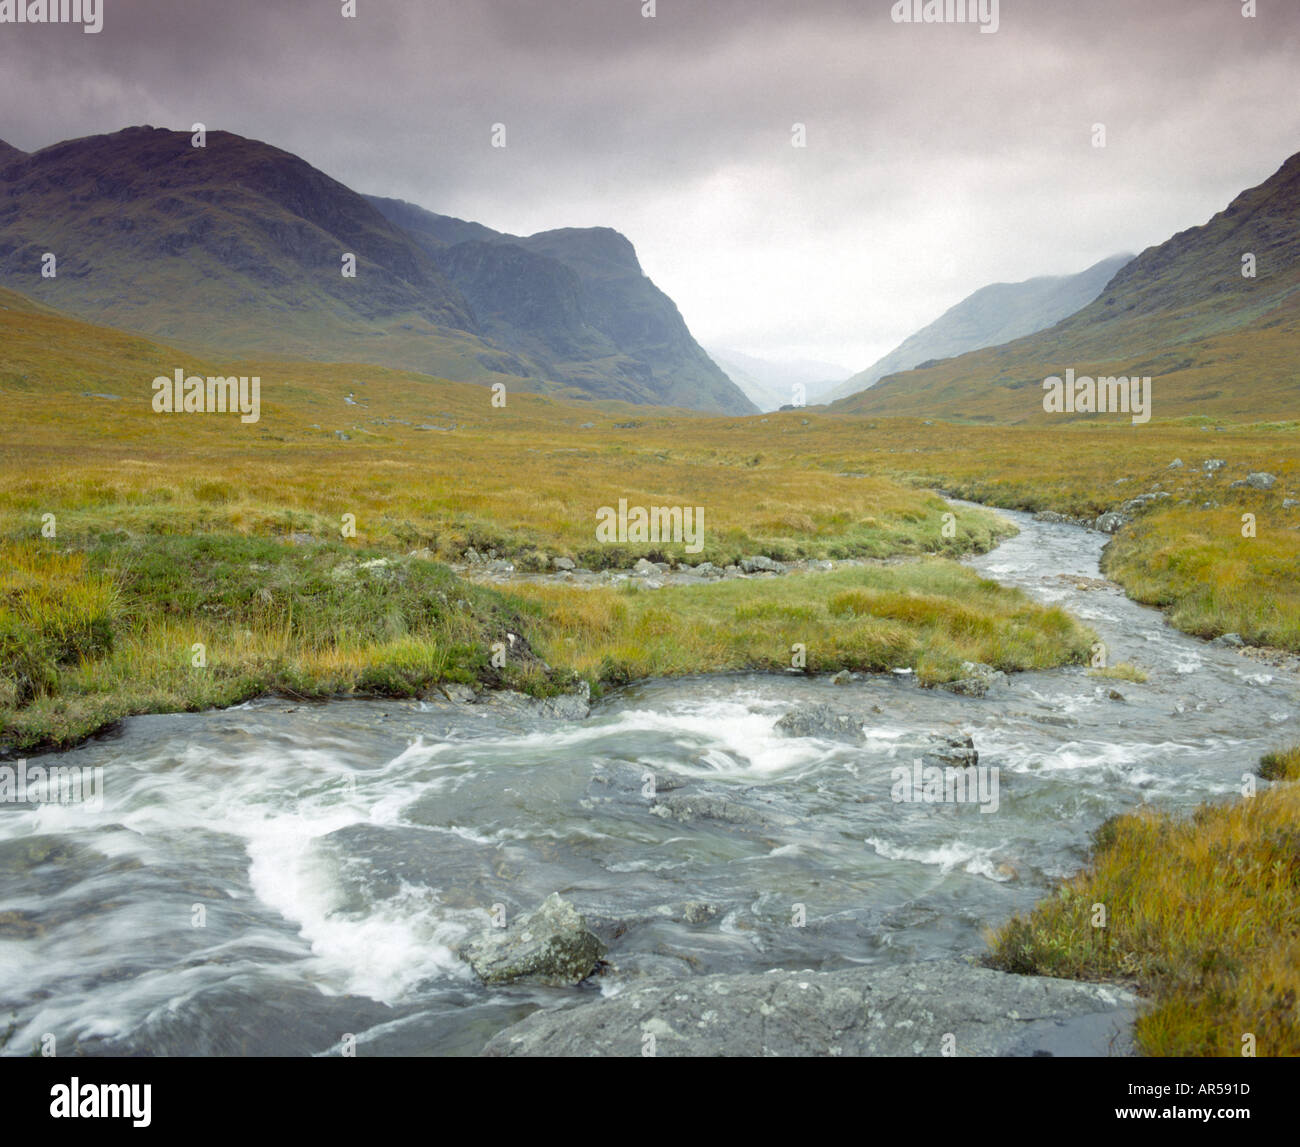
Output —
(239, 247)
(1214, 341)
(992, 315)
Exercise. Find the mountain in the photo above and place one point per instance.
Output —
(771, 384)
(992, 315)
(9, 153)
(1214, 341)
(238, 248)
(577, 300)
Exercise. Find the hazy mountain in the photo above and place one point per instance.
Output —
(1213, 340)
(239, 248)
(992, 315)
(577, 300)
(771, 384)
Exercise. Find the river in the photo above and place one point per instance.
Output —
(269, 879)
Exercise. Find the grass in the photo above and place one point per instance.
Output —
(930, 616)
(1200, 911)
(175, 622)
(1124, 671)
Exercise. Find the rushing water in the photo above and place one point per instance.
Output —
(335, 854)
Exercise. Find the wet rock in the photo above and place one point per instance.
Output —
(843, 677)
(699, 911)
(460, 694)
(1110, 522)
(1051, 516)
(901, 1010)
(552, 945)
(759, 564)
(1230, 640)
(628, 779)
(975, 680)
(821, 721)
(687, 807)
(949, 750)
(1115, 695)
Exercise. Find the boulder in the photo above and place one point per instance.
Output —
(1261, 481)
(563, 563)
(909, 1010)
(552, 945)
(975, 679)
(821, 721)
(759, 564)
(949, 750)
(1110, 522)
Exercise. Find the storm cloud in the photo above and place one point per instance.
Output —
(938, 158)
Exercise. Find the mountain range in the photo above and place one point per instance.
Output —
(1212, 316)
(770, 384)
(991, 316)
(239, 247)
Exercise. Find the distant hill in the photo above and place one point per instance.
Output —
(9, 153)
(992, 315)
(238, 248)
(1213, 341)
(576, 300)
(770, 384)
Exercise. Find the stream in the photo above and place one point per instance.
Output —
(268, 879)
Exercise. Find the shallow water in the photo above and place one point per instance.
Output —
(339, 852)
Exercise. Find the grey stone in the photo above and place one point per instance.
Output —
(461, 694)
(1176, 464)
(975, 680)
(1231, 640)
(687, 807)
(1261, 481)
(821, 721)
(759, 564)
(1142, 500)
(949, 750)
(552, 945)
(843, 677)
(1214, 464)
(564, 563)
(643, 567)
(1110, 522)
(900, 1010)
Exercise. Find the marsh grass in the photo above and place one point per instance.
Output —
(1201, 912)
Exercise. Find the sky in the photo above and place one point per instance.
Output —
(937, 157)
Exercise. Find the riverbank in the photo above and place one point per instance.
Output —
(182, 623)
(1199, 912)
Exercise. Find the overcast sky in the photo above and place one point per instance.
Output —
(939, 158)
